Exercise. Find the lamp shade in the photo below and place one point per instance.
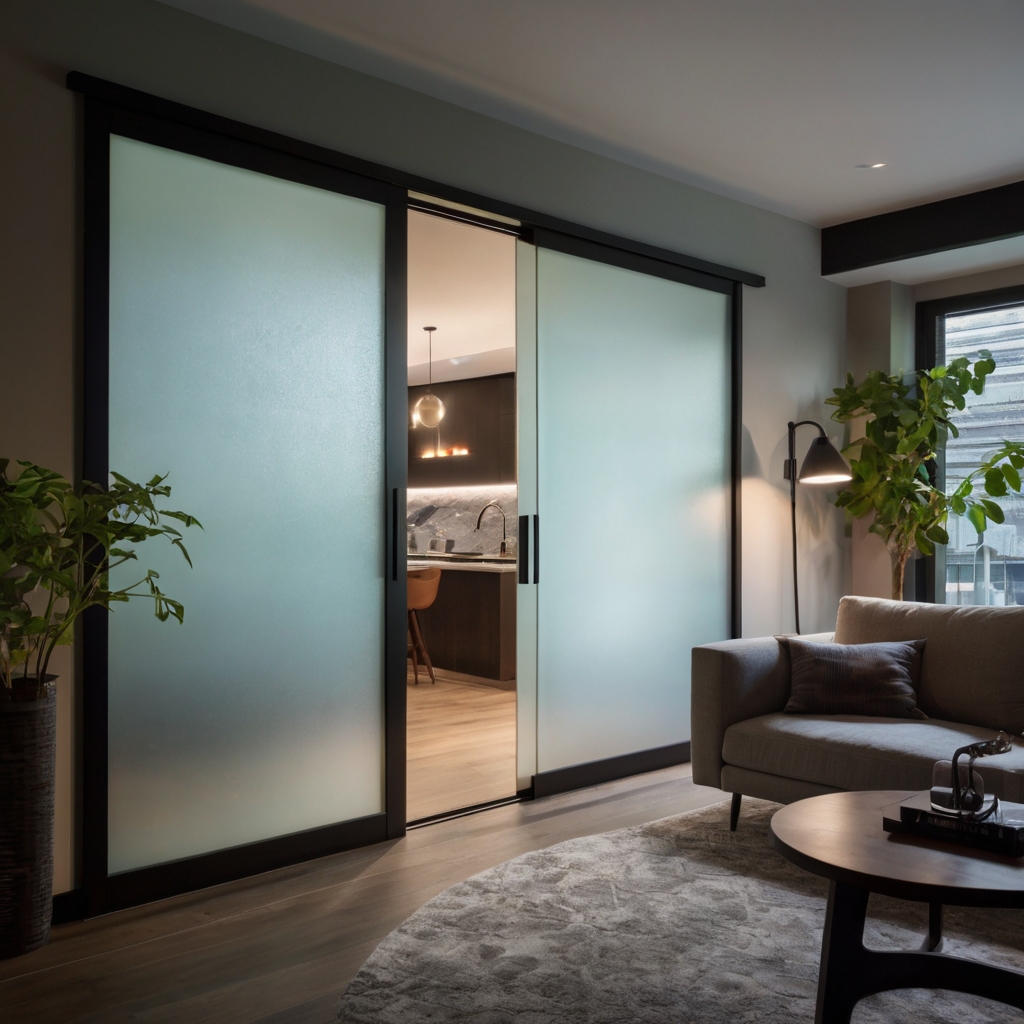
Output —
(823, 464)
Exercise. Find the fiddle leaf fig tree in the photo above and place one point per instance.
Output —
(58, 544)
(906, 424)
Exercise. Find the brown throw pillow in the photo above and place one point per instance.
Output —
(878, 680)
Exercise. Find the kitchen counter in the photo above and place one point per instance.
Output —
(463, 564)
(471, 626)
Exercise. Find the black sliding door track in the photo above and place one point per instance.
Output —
(168, 110)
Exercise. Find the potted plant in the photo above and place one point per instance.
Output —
(58, 544)
(907, 423)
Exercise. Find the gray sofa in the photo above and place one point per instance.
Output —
(971, 685)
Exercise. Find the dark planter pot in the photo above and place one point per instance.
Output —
(28, 750)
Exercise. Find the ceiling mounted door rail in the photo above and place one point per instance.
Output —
(465, 217)
(134, 99)
(627, 259)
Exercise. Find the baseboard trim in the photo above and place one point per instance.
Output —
(144, 885)
(69, 906)
(578, 776)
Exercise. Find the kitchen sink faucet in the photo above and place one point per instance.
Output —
(504, 524)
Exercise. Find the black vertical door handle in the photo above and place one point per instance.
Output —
(394, 534)
(536, 549)
(524, 549)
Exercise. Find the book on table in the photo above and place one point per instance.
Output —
(1001, 832)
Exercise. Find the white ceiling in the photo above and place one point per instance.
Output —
(771, 101)
(462, 280)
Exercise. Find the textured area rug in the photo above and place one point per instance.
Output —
(673, 922)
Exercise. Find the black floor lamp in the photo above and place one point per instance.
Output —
(822, 465)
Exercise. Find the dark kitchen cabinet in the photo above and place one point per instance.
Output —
(471, 626)
(480, 415)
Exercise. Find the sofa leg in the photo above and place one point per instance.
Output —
(734, 811)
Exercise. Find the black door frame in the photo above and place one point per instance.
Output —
(103, 891)
(112, 108)
(929, 347)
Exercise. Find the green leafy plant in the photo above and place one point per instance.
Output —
(907, 423)
(58, 544)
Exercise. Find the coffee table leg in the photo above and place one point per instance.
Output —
(849, 971)
(842, 947)
(934, 940)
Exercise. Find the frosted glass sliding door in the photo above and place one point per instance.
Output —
(633, 441)
(526, 476)
(246, 361)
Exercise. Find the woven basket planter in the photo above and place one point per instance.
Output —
(28, 750)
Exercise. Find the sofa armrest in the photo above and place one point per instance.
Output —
(730, 682)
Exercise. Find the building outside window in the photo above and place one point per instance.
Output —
(985, 569)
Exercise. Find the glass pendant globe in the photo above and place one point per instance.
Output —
(429, 410)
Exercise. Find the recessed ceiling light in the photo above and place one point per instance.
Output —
(870, 167)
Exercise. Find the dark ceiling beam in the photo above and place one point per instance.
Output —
(953, 223)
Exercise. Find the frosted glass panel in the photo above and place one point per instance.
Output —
(246, 360)
(633, 475)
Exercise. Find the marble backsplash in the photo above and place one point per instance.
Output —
(455, 518)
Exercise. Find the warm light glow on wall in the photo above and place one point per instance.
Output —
(444, 453)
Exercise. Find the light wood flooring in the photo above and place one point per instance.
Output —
(461, 746)
(280, 948)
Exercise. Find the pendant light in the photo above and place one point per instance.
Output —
(429, 410)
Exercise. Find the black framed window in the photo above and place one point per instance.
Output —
(973, 569)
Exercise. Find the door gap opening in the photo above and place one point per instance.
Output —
(462, 517)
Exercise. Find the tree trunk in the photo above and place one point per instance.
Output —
(899, 564)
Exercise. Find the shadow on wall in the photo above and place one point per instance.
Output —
(750, 461)
(768, 595)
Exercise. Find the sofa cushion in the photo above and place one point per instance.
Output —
(972, 669)
(854, 679)
(855, 752)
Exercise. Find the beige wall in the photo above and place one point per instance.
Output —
(879, 336)
(967, 284)
(794, 328)
(39, 326)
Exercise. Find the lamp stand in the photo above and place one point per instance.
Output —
(822, 465)
(790, 474)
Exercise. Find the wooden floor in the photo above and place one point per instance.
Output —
(461, 745)
(280, 948)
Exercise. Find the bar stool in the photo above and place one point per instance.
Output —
(422, 589)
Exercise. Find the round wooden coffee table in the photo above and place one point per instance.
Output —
(840, 837)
